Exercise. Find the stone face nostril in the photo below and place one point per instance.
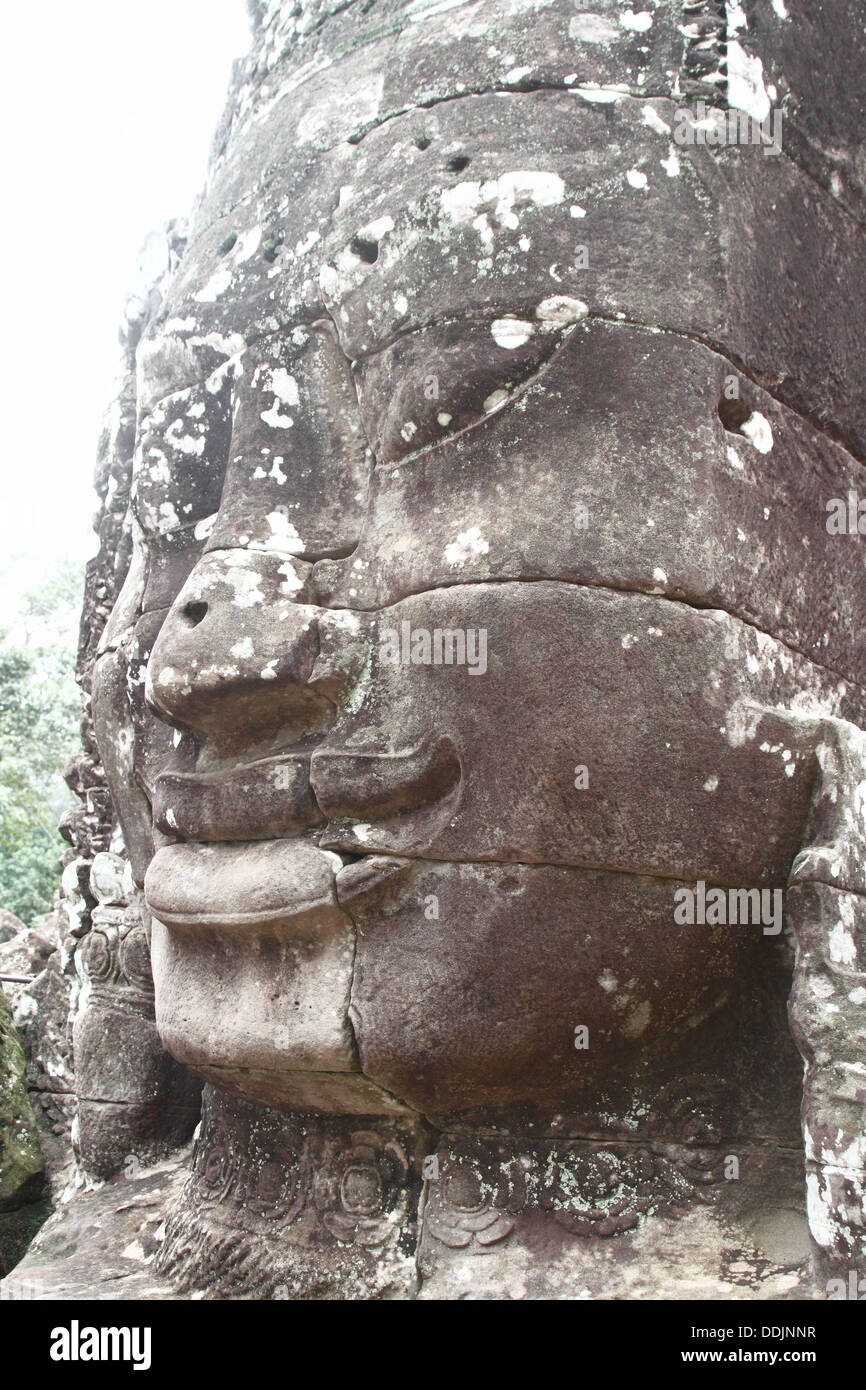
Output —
(194, 613)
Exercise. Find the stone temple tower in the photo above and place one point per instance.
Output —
(474, 786)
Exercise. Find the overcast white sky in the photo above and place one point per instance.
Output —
(108, 108)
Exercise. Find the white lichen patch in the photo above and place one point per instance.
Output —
(377, 229)
(758, 431)
(276, 420)
(842, 938)
(469, 545)
(291, 581)
(511, 333)
(473, 202)
(636, 178)
(734, 459)
(244, 581)
(600, 94)
(495, 401)
(247, 245)
(283, 535)
(560, 310)
(215, 286)
(183, 442)
(308, 240)
(671, 165)
(636, 23)
(742, 721)
(746, 90)
(168, 517)
(284, 386)
(652, 119)
(242, 649)
(735, 17)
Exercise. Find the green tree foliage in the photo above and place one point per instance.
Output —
(39, 713)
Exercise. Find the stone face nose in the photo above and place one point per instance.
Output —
(239, 659)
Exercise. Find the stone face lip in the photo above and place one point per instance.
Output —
(232, 885)
(411, 795)
(252, 959)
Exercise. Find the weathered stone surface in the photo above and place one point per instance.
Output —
(21, 1165)
(24, 954)
(10, 925)
(468, 618)
(102, 1243)
(575, 1221)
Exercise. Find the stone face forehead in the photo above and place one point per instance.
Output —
(293, 132)
(491, 211)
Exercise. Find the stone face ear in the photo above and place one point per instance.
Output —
(826, 909)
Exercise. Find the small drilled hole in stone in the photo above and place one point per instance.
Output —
(510, 884)
(228, 244)
(422, 142)
(733, 414)
(194, 613)
(364, 249)
(458, 163)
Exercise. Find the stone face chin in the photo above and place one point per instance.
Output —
(252, 960)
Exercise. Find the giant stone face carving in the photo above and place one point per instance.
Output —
(482, 599)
